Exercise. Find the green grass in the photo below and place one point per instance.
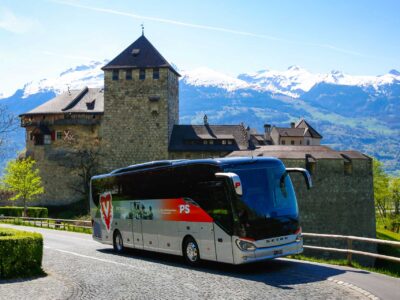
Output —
(385, 234)
(343, 262)
(27, 223)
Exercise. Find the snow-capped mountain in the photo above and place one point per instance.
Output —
(89, 75)
(293, 82)
(358, 112)
(209, 78)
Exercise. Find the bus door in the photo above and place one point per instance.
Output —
(137, 228)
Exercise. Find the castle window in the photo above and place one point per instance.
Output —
(348, 168)
(47, 139)
(59, 135)
(292, 142)
(142, 74)
(347, 165)
(128, 74)
(115, 74)
(156, 73)
(283, 142)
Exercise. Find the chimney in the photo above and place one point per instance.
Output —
(292, 124)
(267, 128)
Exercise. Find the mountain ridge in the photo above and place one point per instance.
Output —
(359, 112)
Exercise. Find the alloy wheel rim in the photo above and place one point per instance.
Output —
(119, 242)
(192, 252)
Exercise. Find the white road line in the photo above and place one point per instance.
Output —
(145, 270)
(69, 236)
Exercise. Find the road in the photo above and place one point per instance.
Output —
(79, 268)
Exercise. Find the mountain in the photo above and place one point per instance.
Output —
(351, 112)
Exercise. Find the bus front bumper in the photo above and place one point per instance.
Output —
(260, 254)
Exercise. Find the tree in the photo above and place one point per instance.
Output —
(394, 189)
(87, 163)
(381, 188)
(23, 179)
(8, 123)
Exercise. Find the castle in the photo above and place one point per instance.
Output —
(135, 119)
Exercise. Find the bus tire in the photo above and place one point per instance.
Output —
(191, 251)
(118, 242)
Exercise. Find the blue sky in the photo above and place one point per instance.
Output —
(41, 38)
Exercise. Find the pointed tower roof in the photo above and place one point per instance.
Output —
(140, 54)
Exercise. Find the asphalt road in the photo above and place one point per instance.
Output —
(79, 268)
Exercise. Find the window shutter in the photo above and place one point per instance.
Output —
(53, 135)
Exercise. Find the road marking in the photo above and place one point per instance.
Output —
(145, 270)
(69, 236)
(354, 287)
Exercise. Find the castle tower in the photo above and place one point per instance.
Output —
(141, 106)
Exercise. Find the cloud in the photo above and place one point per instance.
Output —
(168, 21)
(49, 53)
(16, 24)
(212, 28)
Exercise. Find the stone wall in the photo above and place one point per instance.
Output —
(59, 163)
(339, 203)
(138, 117)
(196, 155)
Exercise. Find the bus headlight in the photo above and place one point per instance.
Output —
(245, 245)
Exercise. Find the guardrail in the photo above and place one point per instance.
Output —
(349, 251)
(62, 224)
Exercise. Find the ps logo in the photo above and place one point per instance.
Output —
(184, 208)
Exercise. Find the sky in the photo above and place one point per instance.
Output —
(41, 38)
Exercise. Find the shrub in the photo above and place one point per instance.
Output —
(16, 211)
(21, 253)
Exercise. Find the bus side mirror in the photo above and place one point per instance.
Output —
(306, 175)
(235, 179)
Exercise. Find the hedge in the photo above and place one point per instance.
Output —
(17, 211)
(21, 253)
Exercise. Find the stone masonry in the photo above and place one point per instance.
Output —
(138, 117)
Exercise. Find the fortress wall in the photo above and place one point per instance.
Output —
(339, 203)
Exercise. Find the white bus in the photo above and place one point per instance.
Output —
(232, 210)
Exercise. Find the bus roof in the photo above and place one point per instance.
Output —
(186, 162)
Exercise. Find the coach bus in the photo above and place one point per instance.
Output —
(232, 210)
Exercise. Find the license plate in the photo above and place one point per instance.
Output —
(278, 252)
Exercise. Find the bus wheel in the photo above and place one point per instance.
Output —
(118, 242)
(191, 251)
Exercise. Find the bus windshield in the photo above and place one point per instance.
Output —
(268, 206)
